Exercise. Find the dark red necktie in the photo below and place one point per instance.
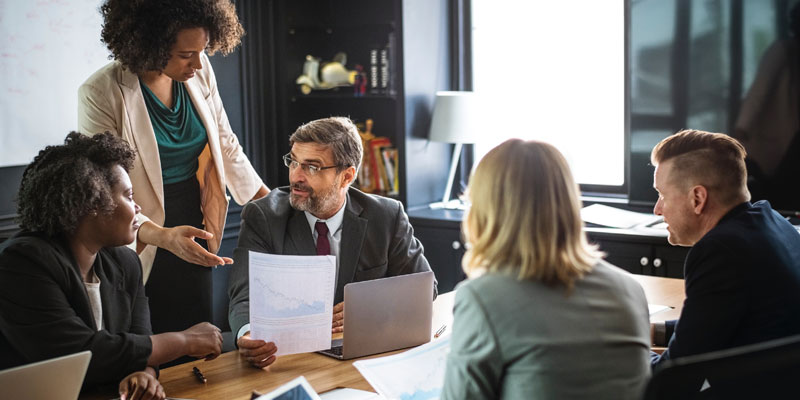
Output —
(323, 245)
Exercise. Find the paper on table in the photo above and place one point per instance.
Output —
(656, 308)
(349, 394)
(415, 374)
(291, 301)
(616, 218)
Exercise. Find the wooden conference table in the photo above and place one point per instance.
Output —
(230, 377)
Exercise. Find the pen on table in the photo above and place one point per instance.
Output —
(199, 375)
(440, 331)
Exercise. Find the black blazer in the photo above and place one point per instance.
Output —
(45, 311)
(742, 284)
(377, 242)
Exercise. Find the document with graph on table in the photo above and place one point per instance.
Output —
(291, 301)
(415, 374)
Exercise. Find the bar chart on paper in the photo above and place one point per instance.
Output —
(417, 374)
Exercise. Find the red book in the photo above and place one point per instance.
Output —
(376, 163)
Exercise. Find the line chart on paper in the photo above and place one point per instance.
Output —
(278, 298)
(291, 301)
(417, 374)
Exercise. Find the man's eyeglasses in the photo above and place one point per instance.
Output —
(309, 169)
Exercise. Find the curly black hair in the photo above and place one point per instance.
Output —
(67, 182)
(141, 33)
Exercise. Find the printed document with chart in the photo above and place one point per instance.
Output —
(417, 374)
(291, 301)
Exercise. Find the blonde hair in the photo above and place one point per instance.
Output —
(525, 216)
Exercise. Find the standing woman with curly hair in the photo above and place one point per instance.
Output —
(69, 284)
(160, 95)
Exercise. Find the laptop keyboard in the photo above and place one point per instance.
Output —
(337, 350)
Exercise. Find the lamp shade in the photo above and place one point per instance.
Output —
(455, 118)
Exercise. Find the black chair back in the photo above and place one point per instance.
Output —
(767, 370)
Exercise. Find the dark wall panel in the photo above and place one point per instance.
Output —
(10, 178)
(426, 52)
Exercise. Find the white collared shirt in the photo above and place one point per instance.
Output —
(334, 224)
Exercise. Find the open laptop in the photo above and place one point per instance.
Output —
(385, 314)
(56, 378)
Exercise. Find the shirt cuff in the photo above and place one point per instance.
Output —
(244, 329)
(659, 334)
(140, 219)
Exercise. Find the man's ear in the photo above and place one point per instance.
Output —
(348, 176)
(699, 198)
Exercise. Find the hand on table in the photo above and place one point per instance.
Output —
(203, 340)
(140, 386)
(338, 318)
(257, 352)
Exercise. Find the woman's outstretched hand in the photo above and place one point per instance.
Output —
(180, 241)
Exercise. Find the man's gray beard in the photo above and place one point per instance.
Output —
(314, 204)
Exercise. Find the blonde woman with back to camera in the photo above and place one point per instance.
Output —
(542, 316)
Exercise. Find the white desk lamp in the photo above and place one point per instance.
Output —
(455, 116)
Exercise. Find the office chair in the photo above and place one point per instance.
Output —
(768, 370)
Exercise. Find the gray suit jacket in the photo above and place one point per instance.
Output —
(525, 340)
(377, 242)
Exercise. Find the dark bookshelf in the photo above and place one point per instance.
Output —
(401, 110)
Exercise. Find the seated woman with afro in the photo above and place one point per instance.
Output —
(69, 284)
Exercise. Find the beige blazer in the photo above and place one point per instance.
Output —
(111, 100)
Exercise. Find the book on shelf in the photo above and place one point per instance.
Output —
(392, 171)
(384, 70)
(378, 167)
(374, 78)
(386, 56)
(379, 171)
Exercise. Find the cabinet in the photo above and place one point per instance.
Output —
(439, 231)
(440, 234)
(413, 63)
(640, 254)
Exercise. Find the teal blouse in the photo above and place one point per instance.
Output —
(180, 133)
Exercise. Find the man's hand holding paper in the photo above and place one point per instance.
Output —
(257, 352)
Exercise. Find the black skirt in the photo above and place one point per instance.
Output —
(180, 293)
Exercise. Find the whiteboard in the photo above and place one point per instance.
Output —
(47, 49)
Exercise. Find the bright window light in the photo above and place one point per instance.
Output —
(554, 71)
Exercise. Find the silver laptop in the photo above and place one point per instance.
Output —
(385, 314)
(56, 378)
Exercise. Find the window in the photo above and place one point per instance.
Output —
(555, 71)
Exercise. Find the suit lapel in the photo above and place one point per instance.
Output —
(301, 242)
(205, 114)
(142, 131)
(354, 229)
(81, 303)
